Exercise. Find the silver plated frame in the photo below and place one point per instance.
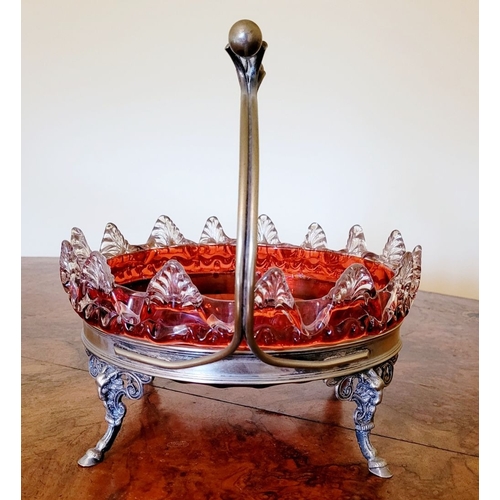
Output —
(357, 370)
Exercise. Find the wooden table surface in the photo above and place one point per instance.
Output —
(292, 442)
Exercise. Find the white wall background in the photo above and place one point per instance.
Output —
(368, 115)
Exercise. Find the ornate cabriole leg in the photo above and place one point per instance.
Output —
(112, 384)
(365, 389)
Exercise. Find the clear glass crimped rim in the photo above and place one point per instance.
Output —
(366, 288)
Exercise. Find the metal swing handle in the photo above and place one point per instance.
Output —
(246, 49)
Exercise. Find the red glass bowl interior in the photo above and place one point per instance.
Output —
(311, 318)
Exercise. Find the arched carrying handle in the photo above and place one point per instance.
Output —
(246, 49)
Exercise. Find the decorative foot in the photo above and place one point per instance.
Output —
(112, 384)
(365, 389)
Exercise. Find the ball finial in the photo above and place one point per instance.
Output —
(245, 38)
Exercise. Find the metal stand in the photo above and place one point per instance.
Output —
(364, 388)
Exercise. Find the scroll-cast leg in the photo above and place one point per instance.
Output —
(112, 384)
(365, 389)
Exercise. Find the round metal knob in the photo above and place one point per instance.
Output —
(245, 38)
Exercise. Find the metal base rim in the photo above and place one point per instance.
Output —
(239, 369)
